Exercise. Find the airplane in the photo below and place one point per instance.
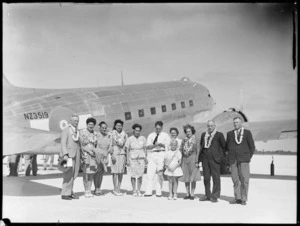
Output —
(34, 118)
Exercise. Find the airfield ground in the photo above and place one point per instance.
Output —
(37, 199)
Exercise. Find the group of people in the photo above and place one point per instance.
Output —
(165, 157)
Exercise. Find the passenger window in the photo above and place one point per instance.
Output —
(163, 108)
(127, 115)
(153, 111)
(141, 113)
(191, 103)
(182, 104)
(173, 106)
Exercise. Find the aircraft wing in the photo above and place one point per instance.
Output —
(261, 130)
(27, 140)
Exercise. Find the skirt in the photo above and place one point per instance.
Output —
(89, 165)
(190, 172)
(119, 165)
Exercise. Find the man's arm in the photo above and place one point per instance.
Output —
(227, 144)
(200, 147)
(150, 144)
(251, 144)
(222, 143)
(64, 140)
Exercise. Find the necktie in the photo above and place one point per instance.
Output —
(155, 140)
(239, 134)
(208, 139)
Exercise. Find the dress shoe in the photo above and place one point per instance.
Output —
(187, 197)
(205, 198)
(192, 197)
(243, 203)
(158, 196)
(145, 195)
(74, 196)
(235, 201)
(66, 197)
(214, 200)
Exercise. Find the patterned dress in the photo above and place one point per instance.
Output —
(136, 150)
(88, 141)
(118, 143)
(189, 158)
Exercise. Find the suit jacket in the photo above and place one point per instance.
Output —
(68, 145)
(217, 147)
(242, 152)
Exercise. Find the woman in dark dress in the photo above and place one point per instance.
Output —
(190, 149)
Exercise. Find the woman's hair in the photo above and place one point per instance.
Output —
(91, 120)
(101, 123)
(188, 126)
(116, 122)
(136, 126)
(173, 128)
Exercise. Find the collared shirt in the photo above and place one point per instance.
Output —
(163, 138)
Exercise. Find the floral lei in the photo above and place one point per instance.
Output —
(241, 137)
(119, 138)
(210, 139)
(89, 138)
(74, 137)
(188, 145)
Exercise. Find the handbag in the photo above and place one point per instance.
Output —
(173, 164)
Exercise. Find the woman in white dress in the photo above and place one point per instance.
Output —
(173, 170)
(136, 158)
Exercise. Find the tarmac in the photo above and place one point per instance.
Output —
(37, 199)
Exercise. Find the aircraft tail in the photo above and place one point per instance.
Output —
(6, 83)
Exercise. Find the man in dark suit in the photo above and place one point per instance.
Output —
(212, 148)
(240, 148)
(70, 148)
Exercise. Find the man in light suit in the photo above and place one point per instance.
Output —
(212, 148)
(240, 148)
(70, 148)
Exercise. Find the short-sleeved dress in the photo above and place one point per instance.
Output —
(189, 158)
(88, 141)
(172, 157)
(136, 150)
(118, 142)
(103, 145)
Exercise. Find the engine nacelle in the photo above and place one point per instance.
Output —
(229, 115)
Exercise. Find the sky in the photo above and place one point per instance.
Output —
(231, 48)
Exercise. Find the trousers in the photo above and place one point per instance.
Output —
(240, 174)
(155, 172)
(30, 164)
(70, 175)
(211, 169)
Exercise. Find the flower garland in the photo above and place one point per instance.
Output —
(241, 137)
(72, 131)
(119, 138)
(188, 145)
(210, 139)
(88, 137)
